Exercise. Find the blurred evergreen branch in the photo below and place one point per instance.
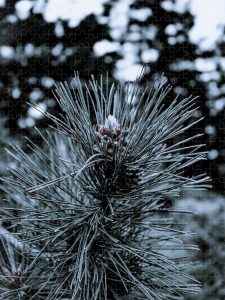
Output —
(209, 225)
(5, 140)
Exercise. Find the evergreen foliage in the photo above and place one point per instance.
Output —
(209, 224)
(89, 211)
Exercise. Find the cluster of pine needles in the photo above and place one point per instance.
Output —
(86, 215)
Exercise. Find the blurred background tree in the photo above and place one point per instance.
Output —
(46, 41)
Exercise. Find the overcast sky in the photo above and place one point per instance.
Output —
(209, 14)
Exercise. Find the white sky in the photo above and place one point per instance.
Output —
(209, 14)
(209, 21)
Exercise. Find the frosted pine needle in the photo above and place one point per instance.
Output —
(93, 200)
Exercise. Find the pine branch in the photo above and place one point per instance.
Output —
(94, 199)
